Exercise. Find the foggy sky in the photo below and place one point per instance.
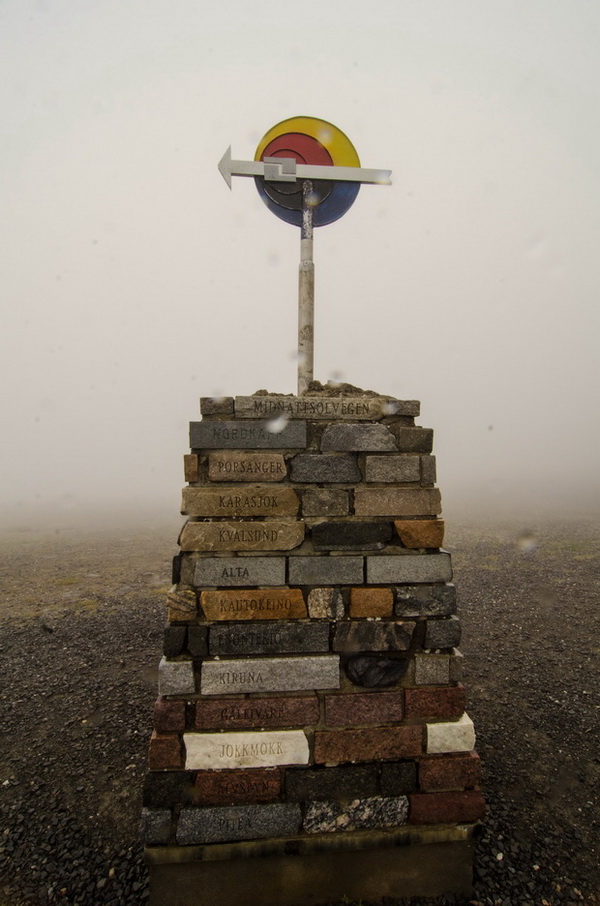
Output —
(133, 281)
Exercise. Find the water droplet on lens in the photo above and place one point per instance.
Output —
(527, 542)
(276, 425)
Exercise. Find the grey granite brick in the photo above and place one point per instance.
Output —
(247, 822)
(392, 468)
(412, 440)
(155, 826)
(325, 467)
(361, 438)
(444, 633)
(176, 677)
(425, 600)
(408, 568)
(428, 470)
(325, 570)
(325, 502)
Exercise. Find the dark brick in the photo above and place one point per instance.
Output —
(446, 808)
(233, 787)
(347, 782)
(425, 600)
(370, 635)
(347, 536)
(325, 467)
(442, 702)
(398, 778)
(174, 640)
(442, 633)
(198, 641)
(338, 746)
(166, 789)
(449, 772)
(412, 440)
(169, 716)
(373, 672)
(176, 569)
(364, 708)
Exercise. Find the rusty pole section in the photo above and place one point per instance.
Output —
(306, 293)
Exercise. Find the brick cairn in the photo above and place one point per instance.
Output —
(310, 735)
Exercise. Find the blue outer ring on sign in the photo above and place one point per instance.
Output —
(342, 152)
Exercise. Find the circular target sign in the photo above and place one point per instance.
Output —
(308, 140)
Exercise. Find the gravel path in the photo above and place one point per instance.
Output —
(81, 617)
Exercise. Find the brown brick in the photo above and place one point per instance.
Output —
(232, 787)
(337, 746)
(420, 533)
(374, 708)
(443, 702)
(449, 772)
(371, 602)
(169, 716)
(446, 808)
(165, 752)
(191, 467)
(235, 714)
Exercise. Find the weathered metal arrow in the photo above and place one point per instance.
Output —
(285, 169)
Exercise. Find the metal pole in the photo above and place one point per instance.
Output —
(306, 293)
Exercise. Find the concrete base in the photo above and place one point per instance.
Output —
(426, 870)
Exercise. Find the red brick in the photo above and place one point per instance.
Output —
(169, 716)
(449, 772)
(165, 752)
(446, 808)
(363, 708)
(191, 467)
(231, 714)
(233, 787)
(443, 702)
(371, 602)
(337, 746)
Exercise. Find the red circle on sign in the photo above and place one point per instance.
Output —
(304, 149)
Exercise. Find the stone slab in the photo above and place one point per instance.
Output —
(325, 502)
(442, 633)
(358, 814)
(412, 440)
(174, 639)
(348, 536)
(375, 671)
(325, 467)
(256, 604)
(371, 602)
(234, 466)
(428, 470)
(247, 435)
(155, 826)
(252, 713)
(439, 703)
(398, 778)
(451, 772)
(275, 535)
(352, 781)
(345, 710)
(397, 501)
(455, 736)
(325, 570)
(197, 641)
(447, 808)
(335, 746)
(169, 716)
(165, 752)
(240, 571)
(369, 408)
(408, 568)
(392, 468)
(425, 600)
(250, 500)
(164, 789)
(234, 639)
(432, 669)
(371, 635)
(425, 533)
(249, 749)
(236, 787)
(250, 822)
(191, 467)
(358, 438)
(299, 674)
(216, 405)
(176, 677)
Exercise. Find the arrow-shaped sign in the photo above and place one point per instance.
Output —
(285, 169)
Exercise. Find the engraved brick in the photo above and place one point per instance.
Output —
(233, 787)
(216, 405)
(249, 713)
(191, 467)
(428, 470)
(408, 568)
(325, 467)
(325, 570)
(247, 500)
(441, 702)
(345, 782)
(442, 633)
(392, 468)
(325, 502)
(412, 440)
(251, 822)
(425, 600)
(395, 501)
(449, 772)
(255, 604)
(246, 435)
(369, 635)
(446, 808)
(365, 438)
(182, 605)
(369, 408)
(174, 638)
(325, 604)
(298, 674)
(169, 716)
(176, 677)
(368, 708)
(164, 752)
(371, 602)
(425, 533)
(233, 466)
(347, 536)
(250, 749)
(268, 638)
(337, 746)
(359, 814)
(457, 736)
(398, 778)
(240, 571)
(275, 535)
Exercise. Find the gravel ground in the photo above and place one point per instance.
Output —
(81, 617)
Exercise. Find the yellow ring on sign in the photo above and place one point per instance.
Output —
(342, 151)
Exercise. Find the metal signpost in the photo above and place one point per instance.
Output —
(308, 173)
